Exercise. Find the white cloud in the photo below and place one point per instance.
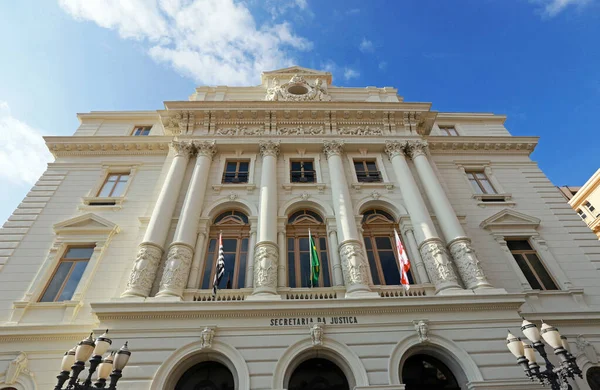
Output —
(366, 45)
(551, 8)
(23, 152)
(383, 65)
(350, 73)
(214, 41)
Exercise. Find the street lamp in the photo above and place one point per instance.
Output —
(556, 377)
(73, 363)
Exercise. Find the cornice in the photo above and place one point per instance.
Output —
(590, 185)
(488, 117)
(118, 115)
(482, 145)
(116, 310)
(80, 146)
(40, 333)
(273, 106)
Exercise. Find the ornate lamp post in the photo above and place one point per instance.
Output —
(73, 363)
(556, 377)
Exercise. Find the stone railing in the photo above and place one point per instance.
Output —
(415, 290)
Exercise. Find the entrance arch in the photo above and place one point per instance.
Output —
(318, 374)
(421, 371)
(207, 375)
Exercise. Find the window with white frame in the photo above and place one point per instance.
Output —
(366, 171)
(530, 264)
(590, 207)
(67, 274)
(448, 131)
(581, 214)
(480, 182)
(141, 130)
(236, 171)
(114, 185)
(302, 171)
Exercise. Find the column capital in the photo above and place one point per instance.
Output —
(333, 148)
(269, 148)
(395, 148)
(205, 148)
(183, 148)
(417, 148)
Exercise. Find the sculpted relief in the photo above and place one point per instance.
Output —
(297, 90)
(265, 266)
(144, 270)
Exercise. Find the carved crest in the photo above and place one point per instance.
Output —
(297, 90)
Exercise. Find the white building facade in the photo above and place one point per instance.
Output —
(122, 232)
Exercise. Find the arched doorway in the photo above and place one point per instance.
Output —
(424, 372)
(318, 374)
(593, 378)
(208, 375)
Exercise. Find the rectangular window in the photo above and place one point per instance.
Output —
(141, 130)
(590, 207)
(236, 171)
(366, 171)
(531, 265)
(448, 131)
(581, 214)
(114, 185)
(302, 171)
(67, 275)
(480, 183)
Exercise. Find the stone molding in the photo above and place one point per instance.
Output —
(144, 270)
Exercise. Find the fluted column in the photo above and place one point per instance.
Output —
(354, 264)
(334, 256)
(434, 254)
(266, 253)
(181, 251)
(197, 263)
(151, 249)
(417, 260)
(459, 244)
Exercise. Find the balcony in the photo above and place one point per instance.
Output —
(369, 176)
(234, 177)
(304, 176)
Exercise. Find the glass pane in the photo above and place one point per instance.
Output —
(106, 188)
(79, 253)
(243, 216)
(322, 243)
(373, 267)
(244, 245)
(119, 188)
(518, 245)
(470, 175)
(367, 242)
(371, 166)
(290, 244)
(541, 271)
(308, 165)
(230, 244)
(291, 270)
(208, 264)
(112, 178)
(124, 178)
(358, 166)
(481, 175)
(476, 187)
(212, 245)
(244, 166)
(57, 281)
(305, 269)
(242, 271)
(227, 280)
(533, 282)
(314, 215)
(411, 280)
(487, 186)
(73, 281)
(296, 165)
(231, 166)
(389, 266)
(325, 269)
(303, 242)
(383, 243)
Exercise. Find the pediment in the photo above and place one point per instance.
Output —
(293, 70)
(86, 224)
(510, 219)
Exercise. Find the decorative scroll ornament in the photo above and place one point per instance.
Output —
(333, 148)
(183, 148)
(144, 270)
(394, 148)
(586, 348)
(297, 90)
(175, 275)
(269, 148)
(240, 131)
(300, 130)
(354, 265)
(417, 148)
(18, 366)
(360, 130)
(422, 328)
(437, 263)
(206, 148)
(206, 338)
(468, 264)
(316, 334)
(265, 265)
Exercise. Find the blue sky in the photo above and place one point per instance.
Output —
(537, 61)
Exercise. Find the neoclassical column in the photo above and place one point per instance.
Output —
(334, 256)
(352, 255)
(434, 254)
(251, 245)
(459, 244)
(197, 263)
(411, 242)
(179, 259)
(151, 249)
(281, 282)
(266, 252)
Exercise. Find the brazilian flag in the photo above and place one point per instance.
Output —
(315, 265)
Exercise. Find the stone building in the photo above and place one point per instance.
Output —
(582, 200)
(122, 230)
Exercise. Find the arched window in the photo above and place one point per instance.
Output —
(298, 248)
(593, 378)
(207, 375)
(426, 372)
(378, 233)
(235, 229)
(317, 374)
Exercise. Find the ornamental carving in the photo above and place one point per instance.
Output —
(394, 148)
(360, 130)
(333, 148)
(183, 148)
(354, 265)
(417, 148)
(19, 365)
(468, 264)
(316, 334)
(265, 266)
(301, 130)
(240, 131)
(586, 348)
(144, 270)
(206, 148)
(437, 263)
(176, 272)
(206, 337)
(297, 90)
(422, 328)
(269, 148)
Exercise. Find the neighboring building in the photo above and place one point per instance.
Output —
(568, 191)
(122, 230)
(586, 202)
